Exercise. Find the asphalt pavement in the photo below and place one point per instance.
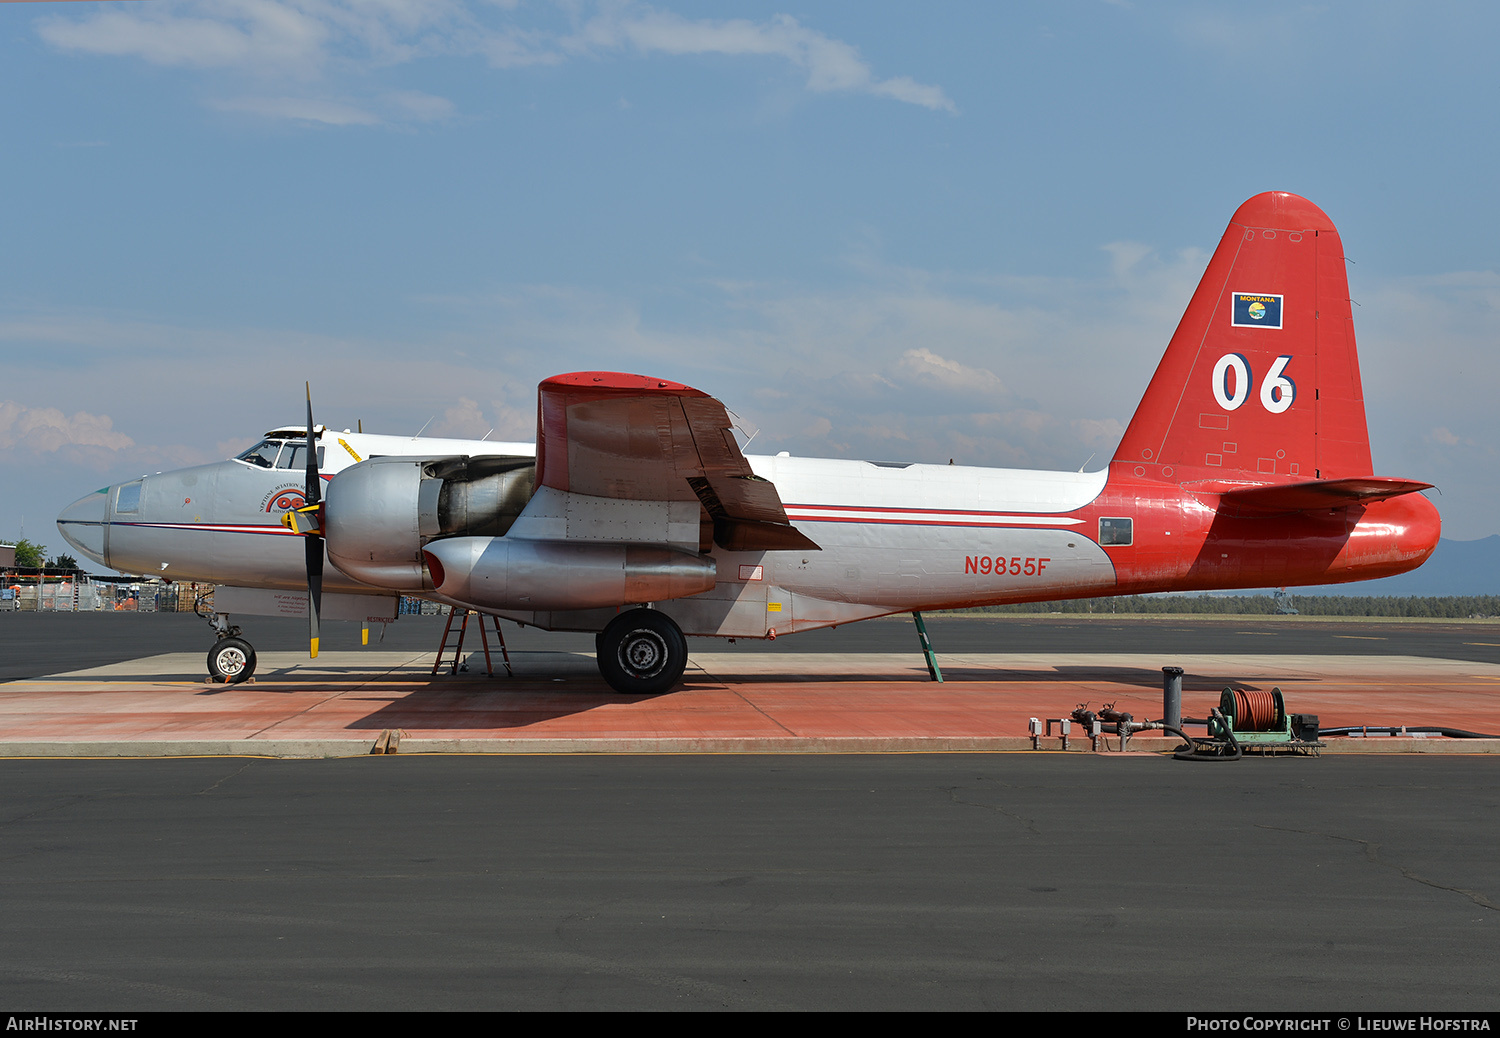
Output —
(37, 644)
(880, 882)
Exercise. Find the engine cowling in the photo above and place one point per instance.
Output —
(378, 514)
(504, 573)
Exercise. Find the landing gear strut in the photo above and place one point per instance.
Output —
(642, 652)
(232, 659)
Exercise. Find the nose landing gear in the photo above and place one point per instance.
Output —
(232, 659)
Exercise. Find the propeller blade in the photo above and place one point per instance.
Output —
(314, 545)
(314, 487)
(313, 541)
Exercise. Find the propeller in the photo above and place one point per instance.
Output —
(308, 521)
(314, 542)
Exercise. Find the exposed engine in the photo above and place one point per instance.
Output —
(379, 514)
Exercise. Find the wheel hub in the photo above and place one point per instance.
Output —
(643, 652)
(231, 661)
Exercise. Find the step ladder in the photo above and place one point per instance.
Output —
(458, 648)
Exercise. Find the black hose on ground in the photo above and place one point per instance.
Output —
(1209, 749)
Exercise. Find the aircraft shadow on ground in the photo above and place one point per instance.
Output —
(525, 700)
(1052, 676)
(491, 706)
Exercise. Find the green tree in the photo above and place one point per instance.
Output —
(64, 562)
(29, 555)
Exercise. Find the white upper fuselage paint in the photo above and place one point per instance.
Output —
(933, 536)
(999, 496)
(342, 449)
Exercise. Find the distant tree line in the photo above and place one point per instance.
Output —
(34, 556)
(1453, 607)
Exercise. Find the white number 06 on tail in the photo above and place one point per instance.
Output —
(1276, 392)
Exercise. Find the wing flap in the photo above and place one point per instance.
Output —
(634, 438)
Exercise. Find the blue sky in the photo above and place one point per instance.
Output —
(874, 230)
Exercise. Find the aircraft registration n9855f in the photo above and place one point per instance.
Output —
(635, 514)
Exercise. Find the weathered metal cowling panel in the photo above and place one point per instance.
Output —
(374, 522)
(378, 514)
(485, 507)
(503, 573)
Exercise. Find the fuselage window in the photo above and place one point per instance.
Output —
(263, 454)
(129, 498)
(1114, 531)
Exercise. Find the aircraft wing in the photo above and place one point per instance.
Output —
(611, 435)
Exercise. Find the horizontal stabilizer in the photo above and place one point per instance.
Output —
(1318, 493)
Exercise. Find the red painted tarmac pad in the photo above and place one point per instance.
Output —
(341, 703)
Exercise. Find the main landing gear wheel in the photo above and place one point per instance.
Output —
(642, 652)
(231, 660)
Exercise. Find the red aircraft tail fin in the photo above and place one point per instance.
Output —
(1261, 379)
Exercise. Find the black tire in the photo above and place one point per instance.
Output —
(231, 660)
(642, 652)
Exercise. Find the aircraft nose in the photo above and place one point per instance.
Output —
(82, 525)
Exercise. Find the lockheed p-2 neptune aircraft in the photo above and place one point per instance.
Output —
(637, 516)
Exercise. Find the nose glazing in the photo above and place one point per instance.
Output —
(82, 525)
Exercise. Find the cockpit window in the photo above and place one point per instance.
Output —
(294, 456)
(129, 498)
(276, 454)
(262, 454)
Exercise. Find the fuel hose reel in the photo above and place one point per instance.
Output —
(1253, 722)
(1253, 711)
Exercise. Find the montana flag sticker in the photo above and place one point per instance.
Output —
(1256, 310)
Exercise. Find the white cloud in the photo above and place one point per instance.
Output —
(932, 369)
(467, 420)
(404, 106)
(312, 40)
(830, 64)
(256, 34)
(46, 430)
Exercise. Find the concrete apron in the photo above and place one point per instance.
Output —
(356, 703)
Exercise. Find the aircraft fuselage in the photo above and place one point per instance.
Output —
(894, 538)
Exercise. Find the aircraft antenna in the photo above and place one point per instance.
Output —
(425, 424)
(1086, 462)
(746, 429)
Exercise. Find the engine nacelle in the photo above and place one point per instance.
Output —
(501, 573)
(378, 514)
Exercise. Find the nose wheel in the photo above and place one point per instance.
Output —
(231, 661)
(642, 652)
